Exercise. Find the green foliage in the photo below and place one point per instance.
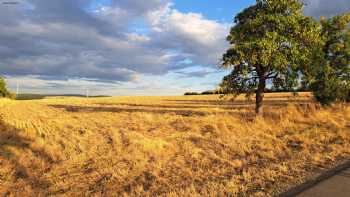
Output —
(3, 90)
(191, 93)
(271, 41)
(208, 92)
(329, 88)
(330, 79)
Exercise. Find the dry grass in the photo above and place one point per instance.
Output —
(166, 146)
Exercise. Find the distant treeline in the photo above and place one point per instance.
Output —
(42, 96)
(203, 93)
(267, 90)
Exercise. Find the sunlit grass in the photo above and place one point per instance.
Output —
(170, 146)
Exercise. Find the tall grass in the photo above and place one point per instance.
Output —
(167, 146)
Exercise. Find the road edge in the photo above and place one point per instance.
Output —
(315, 180)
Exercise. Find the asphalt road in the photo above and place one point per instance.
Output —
(336, 186)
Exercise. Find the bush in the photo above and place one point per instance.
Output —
(331, 80)
(329, 88)
(191, 93)
(208, 92)
(3, 90)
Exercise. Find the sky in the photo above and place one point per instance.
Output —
(121, 47)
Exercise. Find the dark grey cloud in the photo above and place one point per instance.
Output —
(66, 39)
(140, 7)
(328, 8)
(198, 73)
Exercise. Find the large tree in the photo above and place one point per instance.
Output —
(330, 79)
(270, 42)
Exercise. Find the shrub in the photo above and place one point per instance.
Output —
(208, 92)
(191, 93)
(3, 90)
(331, 81)
(329, 88)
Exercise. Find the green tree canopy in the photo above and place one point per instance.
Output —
(3, 90)
(330, 79)
(270, 41)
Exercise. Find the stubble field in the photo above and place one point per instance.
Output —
(167, 146)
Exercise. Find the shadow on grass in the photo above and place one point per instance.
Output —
(169, 106)
(21, 174)
(245, 110)
(245, 113)
(71, 108)
(240, 103)
(196, 104)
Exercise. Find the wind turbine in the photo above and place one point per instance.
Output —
(17, 88)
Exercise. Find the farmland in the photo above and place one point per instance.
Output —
(167, 146)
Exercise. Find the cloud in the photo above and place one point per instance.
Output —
(318, 8)
(201, 40)
(64, 38)
(119, 44)
(197, 72)
(37, 84)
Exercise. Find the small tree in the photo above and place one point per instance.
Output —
(269, 42)
(3, 90)
(330, 79)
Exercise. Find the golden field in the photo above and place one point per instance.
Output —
(167, 146)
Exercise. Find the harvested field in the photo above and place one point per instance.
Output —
(167, 146)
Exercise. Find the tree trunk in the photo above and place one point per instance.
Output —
(260, 95)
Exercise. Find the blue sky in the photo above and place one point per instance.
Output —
(121, 47)
(221, 10)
